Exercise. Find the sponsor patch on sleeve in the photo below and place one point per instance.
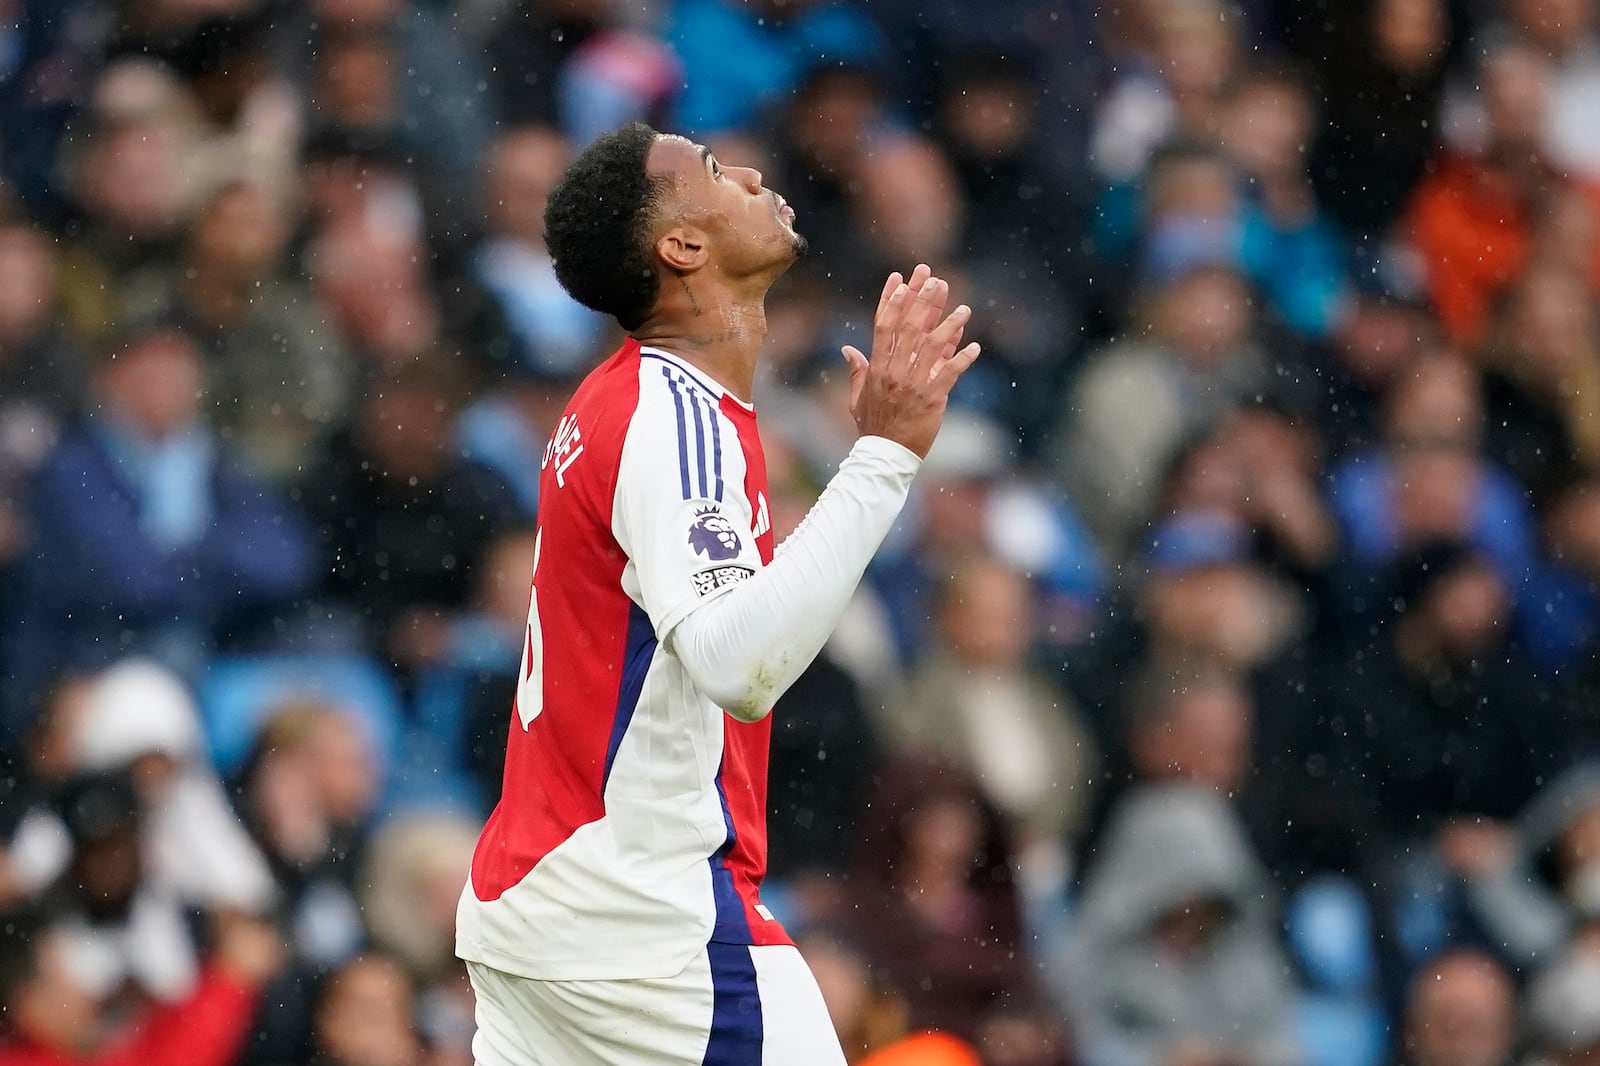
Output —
(719, 577)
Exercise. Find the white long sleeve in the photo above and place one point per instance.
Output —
(747, 646)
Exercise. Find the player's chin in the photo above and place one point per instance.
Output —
(798, 244)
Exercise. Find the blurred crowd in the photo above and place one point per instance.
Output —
(1223, 698)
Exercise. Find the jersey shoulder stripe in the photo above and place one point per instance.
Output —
(698, 417)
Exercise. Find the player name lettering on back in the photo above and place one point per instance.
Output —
(709, 581)
(564, 448)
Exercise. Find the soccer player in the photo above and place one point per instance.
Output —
(613, 913)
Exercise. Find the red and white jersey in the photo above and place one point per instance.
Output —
(632, 826)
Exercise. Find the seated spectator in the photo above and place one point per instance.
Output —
(51, 1018)
(364, 1016)
(1387, 328)
(969, 500)
(1173, 90)
(1460, 1010)
(1207, 601)
(1294, 252)
(309, 792)
(146, 537)
(1439, 716)
(1471, 218)
(133, 189)
(871, 1016)
(1262, 469)
(975, 700)
(125, 936)
(938, 913)
(1194, 208)
(1376, 67)
(41, 375)
(276, 376)
(411, 884)
(402, 519)
(546, 328)
(1542, 382)
(1174, 951)
(389, 66)
(369, 271)
(139, 717)
(1191, 361)
(1429, 480)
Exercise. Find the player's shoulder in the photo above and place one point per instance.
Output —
(669, 382)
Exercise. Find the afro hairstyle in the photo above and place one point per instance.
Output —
(597, 225)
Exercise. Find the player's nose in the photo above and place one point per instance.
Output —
(750, 177)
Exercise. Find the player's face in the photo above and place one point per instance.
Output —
(750, 229)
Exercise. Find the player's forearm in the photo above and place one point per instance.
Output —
(749, 645)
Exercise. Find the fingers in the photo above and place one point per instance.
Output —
(918, 275)
(918, 319)
(887, 321)
(946, 372)
(888, 290)
(945, 338)
(858, 372)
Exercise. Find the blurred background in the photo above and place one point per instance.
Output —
(1222, 697)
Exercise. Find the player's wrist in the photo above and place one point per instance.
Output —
(876, 446)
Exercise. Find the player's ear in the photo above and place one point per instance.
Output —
(683, 248)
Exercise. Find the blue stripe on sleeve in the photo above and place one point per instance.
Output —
(683, 432)
(700, 443)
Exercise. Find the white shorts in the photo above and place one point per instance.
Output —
(732, 1006)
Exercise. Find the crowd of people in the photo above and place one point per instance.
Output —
(1223, 698)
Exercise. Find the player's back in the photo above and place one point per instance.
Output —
(631, 828)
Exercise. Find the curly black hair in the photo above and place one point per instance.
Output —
(596, 225)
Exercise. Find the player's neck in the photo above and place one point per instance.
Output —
(719, 331)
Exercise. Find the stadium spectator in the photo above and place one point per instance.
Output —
(308, 791)
(937, 909)
(975, 700)
(124, 934)
(51, 1018)
(1460, 1011)
(1173, 956)
(1429, 706)
(134, 191)
(41, 374)
(403, 521)
(1471, 218)
(410, 885)
(146, 537)
(1377, 67)
(871, 1016)
(139, 717)
(364, 1016)
(1542, 376)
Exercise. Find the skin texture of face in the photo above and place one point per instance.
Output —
(1461, 1012)
(717, 217)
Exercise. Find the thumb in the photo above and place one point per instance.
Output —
(858, 372)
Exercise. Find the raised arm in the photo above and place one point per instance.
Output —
(746, 647)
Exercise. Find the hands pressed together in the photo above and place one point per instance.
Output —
(901, 392)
